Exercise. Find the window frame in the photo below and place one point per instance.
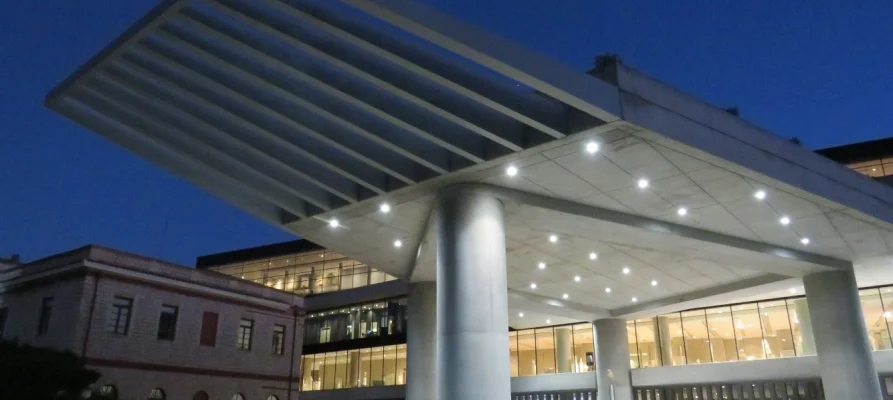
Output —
(116, 315)
(46, 314)
(281, 334)
(241, 342)
(161, 319)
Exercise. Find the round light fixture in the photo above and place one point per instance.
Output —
(626, 270)
(541, 265)
(607, 290)
(792, 290)
(593, 256)
(333, 223)
(682, 211)
(553, 238)
(398, 243)
(635, 300)
(760, 194)
(384, 208)
(521, 315)
(592, 147)
(654, 283)
(577, 278)
(785, 220)
(511, 170)
(564, 296)
(533, 285)
(804, 241)
(642, 183)
(548, 321)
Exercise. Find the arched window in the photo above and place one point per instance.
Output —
(272, 397)
(107, 392)
(200, 395)
(238, 396)
(157, 394)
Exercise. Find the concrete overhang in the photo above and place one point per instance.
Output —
(301, 112)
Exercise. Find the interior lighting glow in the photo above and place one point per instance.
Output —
(533, 285)
(760, 194)
(541, 265)
(511, 170)
(334, 223)
(626, 270)
(577, 278)
(384, 208)
(553, 238)
(592, 147)
(593, 256)
(804, 241)
(654, 283)
(642, 183)
(785, 220)
(398, 243)
(682, 211)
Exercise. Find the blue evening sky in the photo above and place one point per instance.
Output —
(821, 70)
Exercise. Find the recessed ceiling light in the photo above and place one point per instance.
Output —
(592, 147)
(564, 296)
(577, 278)
(804, 241)
(785, 220)
(553, 238)
(654, 283)
(333, 223)
(541, 265)
(888, 314)
(760, 194)
(533, 285)
(635, 300)
(511, 170)
(626, 270)
(593, 256)
(792, 290)
(607, 290)
(643, 183)
(398, 243)
(520, 314)
(384, 208)
(548, 321)
(682, 211)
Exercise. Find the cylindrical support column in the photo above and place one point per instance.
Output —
(612, 360)
(564, 347)
(472, 304)
(421, 342)
(845, 361)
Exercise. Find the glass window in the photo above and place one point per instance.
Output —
(238, 396)
(545, 351)
(328, 374)
(243, 335)
(377, 359)
(584, 350)
(353, 368)
(723, 346)
(671, 340)
(778, 341)
(341, 370)
(208, 335)
(748, 332)
(513, 353)
(365, 376)
(649, 354)
(389, 365)
(167, 322)
(46, 312)
(119, 315)
(278, 339)
(697, 342)
(526, 353)
(887, 300)
(801, 327)
(632, 344)
(309, 373)
(875, 322)
(401, 364)
(157, 394)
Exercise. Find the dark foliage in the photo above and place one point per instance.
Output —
(32, 373)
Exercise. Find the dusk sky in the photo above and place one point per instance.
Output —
(818, 70)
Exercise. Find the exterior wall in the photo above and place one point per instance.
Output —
(142, 344)
(24, 313)
(136, 384)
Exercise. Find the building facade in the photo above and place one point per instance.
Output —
(156, 330)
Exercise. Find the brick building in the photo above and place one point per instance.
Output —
(157, 330)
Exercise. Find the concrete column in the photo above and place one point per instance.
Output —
(805, 322)
(612, 360)
(663, 341)
(421, 342)
(564, 346)
(472, 305)
(845, 361)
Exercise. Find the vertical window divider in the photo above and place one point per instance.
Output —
(684, 345)
(884, 316)
(709, 341)
(787, 311)
(735, 334)
(573, 349)
(636, 344)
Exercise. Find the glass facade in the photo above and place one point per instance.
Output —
(874, 168)
(306, 273)
(376, 366)
(382, 318)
